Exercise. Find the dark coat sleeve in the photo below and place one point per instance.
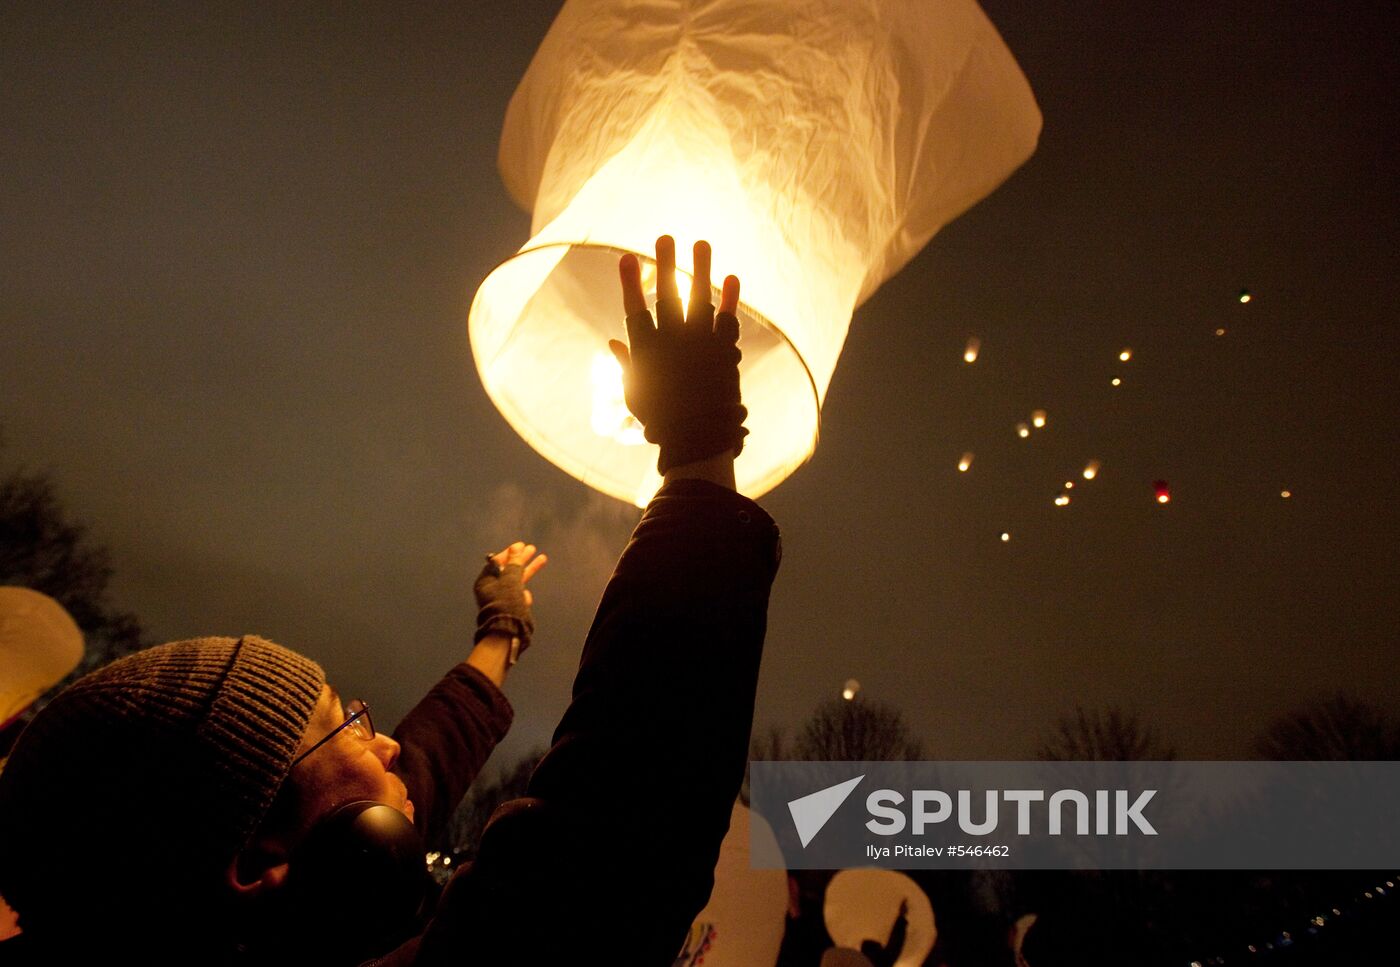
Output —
(612, 853)
(446, 739)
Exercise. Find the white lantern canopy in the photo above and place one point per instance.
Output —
(818, 147)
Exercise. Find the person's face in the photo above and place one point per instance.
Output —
(347, 768)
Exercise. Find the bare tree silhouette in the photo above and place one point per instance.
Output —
(857, 730)
(1339, 727)
(1103, 735)
(42, 548)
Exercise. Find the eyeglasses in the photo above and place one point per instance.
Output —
(357, 720)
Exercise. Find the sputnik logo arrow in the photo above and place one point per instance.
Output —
(811, 812)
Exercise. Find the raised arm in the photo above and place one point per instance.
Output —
(612, 853)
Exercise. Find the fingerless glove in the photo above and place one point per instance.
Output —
(683, 382)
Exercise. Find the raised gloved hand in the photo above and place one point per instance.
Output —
(680, 376)
(503, 599)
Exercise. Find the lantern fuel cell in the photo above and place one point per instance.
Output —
(817, 147)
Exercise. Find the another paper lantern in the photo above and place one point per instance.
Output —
(743, 922)
(39, 645)
(818, 147)
(863, 904)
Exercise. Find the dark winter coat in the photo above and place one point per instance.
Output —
(611, 855)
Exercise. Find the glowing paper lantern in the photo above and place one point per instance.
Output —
(863, 905)
(1125, 355)
(1062, 500)
(818, 147)
(970, 351)
(850, 689)
(1116, 381)
(1285, 494)
(965, 462)
(1245, 296)
(1037, 418)
(743, 923)
(39, 644)
(1091, 469)
(1005, 536)
(1023, 430)
(1163, 492)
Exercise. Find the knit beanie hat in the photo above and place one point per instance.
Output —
(138, 784)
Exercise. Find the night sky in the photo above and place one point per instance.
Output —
(238, 244)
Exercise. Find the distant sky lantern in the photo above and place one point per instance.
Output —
(1062, 500)
(970, 351)
(1245, 296)
(849, 690)
(965, 462)
(1069, 484)
(1163, 492)
(1038, 418)
(818, 147)
(1220, 332)
(1023, 430)
(1091, 469)
(1285, 494)
(1005, 536)
(1116, 381)
(1125, 355)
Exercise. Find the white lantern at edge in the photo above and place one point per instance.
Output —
(736, 121)
(39, 644)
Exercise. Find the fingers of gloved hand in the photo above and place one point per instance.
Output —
(633, 298)
(727, 328)
(619, 351)
(640, 331)
(533, 568)
(700, 320)
(529, 599)
(729, 296)
(670, 314)
(520, 553)
(700, 281)
(502, 558)
(666, 268)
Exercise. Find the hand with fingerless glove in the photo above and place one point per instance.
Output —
(503, 599)
(681, 374)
